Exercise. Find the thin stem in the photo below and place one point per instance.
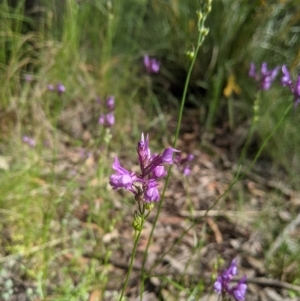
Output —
(183, 99)
(238, 176)
(252, 127)
(137, 238)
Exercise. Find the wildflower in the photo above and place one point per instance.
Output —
(151, 192)
(265, 78)
(123, 178)
(223, 286)
(144, 184)
(110, 103)
(107, 120)
(287, 81)
(152, 64)
(60, 88)
(183, 163)
(29, 141)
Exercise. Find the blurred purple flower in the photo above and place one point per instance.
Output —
(28, 78)
(110, 103)
(223, 286)
(144, 184)
(183, 163)
(152, 64)
(107, 120)
(60, 88)
(287, 81)
(265, 78)
(29, 141)
(110, 119)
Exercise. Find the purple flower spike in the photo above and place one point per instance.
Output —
(152, 64)
(287, 81)
(143, 184)
(265, 78)
(223, 286)
(107, 118)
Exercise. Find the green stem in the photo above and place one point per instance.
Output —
(183, 99)
(238, 175)
(252, 128)
(137, 238)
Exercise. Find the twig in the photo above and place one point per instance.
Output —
(273, 283)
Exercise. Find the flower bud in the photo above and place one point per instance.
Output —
(149, 206)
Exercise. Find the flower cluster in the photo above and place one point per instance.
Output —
(152, 64)
(183, 163)
(144, 184)
(108, 119)
(59, 88)
(223, 285)
(29, 141)
(287, 81)
(265, 78)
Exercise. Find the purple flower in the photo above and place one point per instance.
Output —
(183, 163)
(239, 290)
(152, 64)
(110, 119)
(159, 172)
(107, 120)
(123, 178)
(265, 78)
(144, 184)
(110, 103)
(287, 81)
(151, 192)
(29, 141)
(101, 119)
(60, 88)
(157, 160)
(223, 286)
